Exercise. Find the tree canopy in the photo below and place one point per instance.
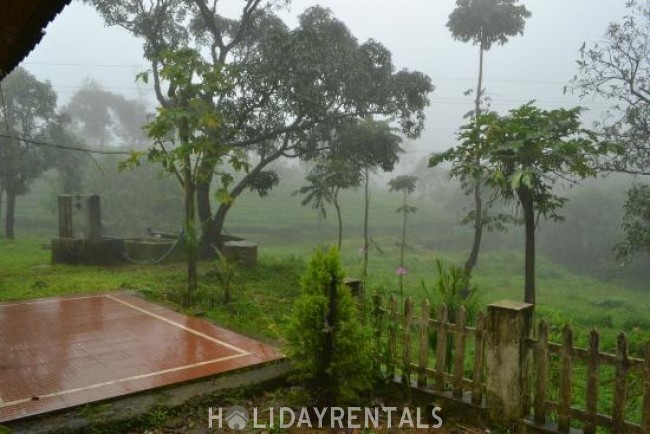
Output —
(487, 22)
(523, 158)
(618, 69)
(636, 223)
(483, 23)
(289, 87)
(30, 116)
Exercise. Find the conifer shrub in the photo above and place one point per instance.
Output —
(327, 340)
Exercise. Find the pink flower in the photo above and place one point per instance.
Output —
(361, 251)
(401, 271)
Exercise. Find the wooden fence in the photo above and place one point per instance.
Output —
(565, 410)
(410, 352)
(422, 362)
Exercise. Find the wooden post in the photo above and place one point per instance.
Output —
(357, 291)
(541, 368)
(424, 343)
(620, 385)
(477, 375)
(441, 347)
(378, 318)
(65, 216)
(566, 378)
(406, 345)
(591, 398)
(459, 352)
(392, 335)
(509, 326)
(94, 218)
(646, 390)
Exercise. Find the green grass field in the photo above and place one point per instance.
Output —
(287, 233)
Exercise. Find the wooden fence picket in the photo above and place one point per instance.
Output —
(406, 342)
(620, 385)
(392, 336)
(425, 316)
(541, 368)
(441, 347)
(591, 398)
(459, 352)
(566, 379)
(479, 346)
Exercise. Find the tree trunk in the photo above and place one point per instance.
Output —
(213, 225)
(526, 200)
(10, 213)
(366, 212)
(402, 247)
(478, 203)
(340, 220)
(327, 385)
(208, 237)
(191, 241)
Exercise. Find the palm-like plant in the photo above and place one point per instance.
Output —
(326, 180)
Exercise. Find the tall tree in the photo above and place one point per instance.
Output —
(636, 223)
(181, 133)
(326, 180)
(29, 113)
(104, 118)
(288, 82)
(363, 147)
(484, 23)
(618, 69)
(372, 145)
(522, 157)
(404, 184)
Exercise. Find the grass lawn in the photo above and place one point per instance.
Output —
(263, 293)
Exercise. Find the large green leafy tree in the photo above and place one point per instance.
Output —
(484, 23)
(354, 150)
(286, 82)
(522, 157)
(28, 113)
(372, 146)
(182, 131)
(618, 69)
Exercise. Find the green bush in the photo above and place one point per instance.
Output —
(342, 373)
(452, 287)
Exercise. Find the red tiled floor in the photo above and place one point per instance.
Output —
(62, 352)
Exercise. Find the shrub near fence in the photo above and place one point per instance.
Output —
(497, 366)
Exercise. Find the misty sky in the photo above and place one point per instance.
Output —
(78, 46)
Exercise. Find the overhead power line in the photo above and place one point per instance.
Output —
(97, 65)
(66, 147)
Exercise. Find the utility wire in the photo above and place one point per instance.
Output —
(66, 147)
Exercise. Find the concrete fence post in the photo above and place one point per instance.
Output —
(509, 360)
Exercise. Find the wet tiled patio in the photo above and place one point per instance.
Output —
(57, 353)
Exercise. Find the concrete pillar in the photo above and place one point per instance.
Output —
(94, 218)
(509, 359)
(65, 216)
